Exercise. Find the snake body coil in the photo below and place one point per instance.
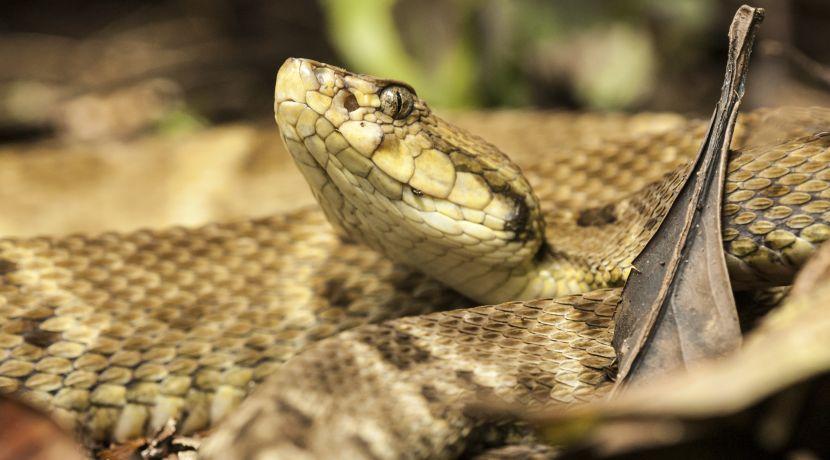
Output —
(121, 332)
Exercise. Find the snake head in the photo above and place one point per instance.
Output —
(391, 174)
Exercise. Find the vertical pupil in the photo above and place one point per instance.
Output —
(398, 101)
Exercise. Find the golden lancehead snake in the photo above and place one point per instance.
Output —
(119, 333)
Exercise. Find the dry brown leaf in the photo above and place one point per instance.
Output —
(29, 434)
(677, 307)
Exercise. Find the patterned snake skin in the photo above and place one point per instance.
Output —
(120, 332)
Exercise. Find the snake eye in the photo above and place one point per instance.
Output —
(397, 101)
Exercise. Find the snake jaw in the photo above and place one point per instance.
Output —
(392, 175)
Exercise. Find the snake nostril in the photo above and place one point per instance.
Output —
(350, 103)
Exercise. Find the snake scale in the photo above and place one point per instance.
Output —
(118, 333)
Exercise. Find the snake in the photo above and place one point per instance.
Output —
(434, 273)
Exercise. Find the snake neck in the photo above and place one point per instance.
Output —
(547, 275)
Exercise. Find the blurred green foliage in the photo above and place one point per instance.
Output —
(366, 35)
(466, 53)
(182, 120)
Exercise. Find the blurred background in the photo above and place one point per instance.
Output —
(103, 68)
(99, 77)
